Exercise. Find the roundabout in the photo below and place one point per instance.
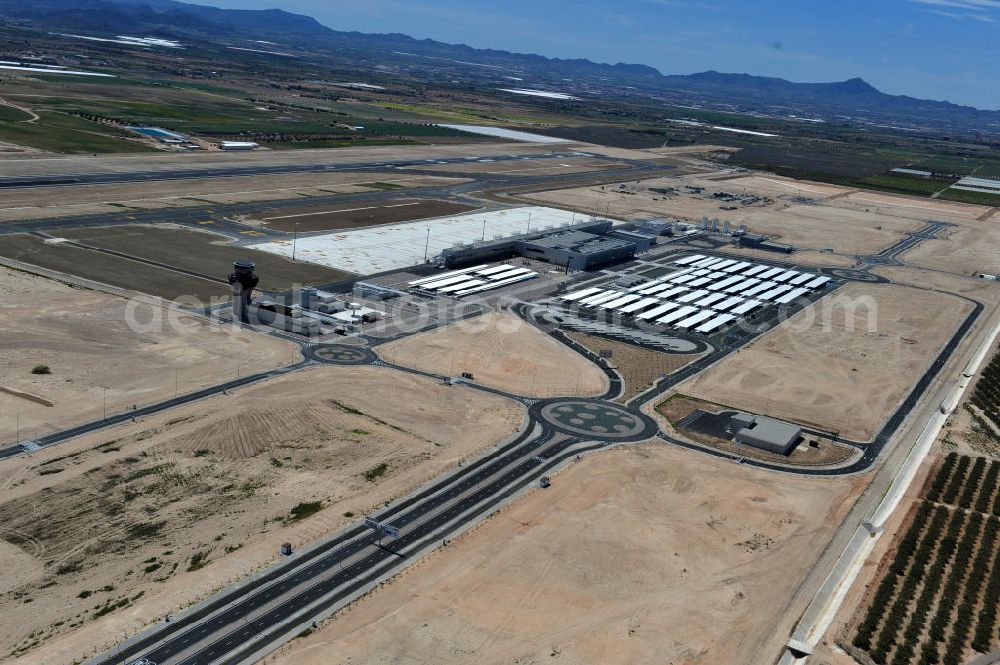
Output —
(594, 419)
(340, 354)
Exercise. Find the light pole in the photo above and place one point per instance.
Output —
(295, 239)
(105, 403)
(427, 243)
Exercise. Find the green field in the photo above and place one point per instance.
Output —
(59, 132)
(977, 198)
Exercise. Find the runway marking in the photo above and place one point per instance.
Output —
(334, 212)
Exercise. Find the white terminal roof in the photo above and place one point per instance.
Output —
(576, 295)
(672, 292)
(727, 282)
(747, 307)
(689, 259)
(791, 295)
(395, 246)
(742, 285)
(723, 264)
(593, 301)
(695, 319)
(760, 288)
(657, 311)
(754, 270)
(439, 283)
(638, 305)
(715, 324)
(498, 284)
(684, 279)
(801, 279)
(709, 299)
(775, 292)
(738, 267)
(691, 297)
(771, 273)
(819, 281)
(785, 276)
(728, 303)
(701, 281)
(618, 302)
(710, 261)
(656, 288)
(681, 313)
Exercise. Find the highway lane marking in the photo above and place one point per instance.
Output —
(425, 518)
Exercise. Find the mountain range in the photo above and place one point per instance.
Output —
(171, 19)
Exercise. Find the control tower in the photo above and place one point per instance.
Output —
(243, 279)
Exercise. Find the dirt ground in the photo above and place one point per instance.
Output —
(501, 351)
(668, 556)
(968, 250)
(217, 478)
(848, 229)
(95, 358)
(20, 204)
(818, 369)
(356, 215)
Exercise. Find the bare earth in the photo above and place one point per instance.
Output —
(668, 556)
(837, 379)
(96, 360)
(501, 351)
(849, 225)
(218, 477)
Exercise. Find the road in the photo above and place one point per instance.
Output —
(243, 623)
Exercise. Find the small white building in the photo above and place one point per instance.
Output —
(237, 145)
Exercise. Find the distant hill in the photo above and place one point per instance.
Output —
(853, 98)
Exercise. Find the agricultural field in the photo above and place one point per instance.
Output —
(938, 600)
(984, 405)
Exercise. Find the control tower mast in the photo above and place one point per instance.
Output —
(243, 279)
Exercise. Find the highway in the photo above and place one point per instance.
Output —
(243, 623)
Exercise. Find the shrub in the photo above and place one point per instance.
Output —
(41, 369)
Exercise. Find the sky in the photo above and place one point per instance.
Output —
(933, 49)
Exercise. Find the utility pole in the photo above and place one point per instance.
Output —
(105, 403)
(427, 243)
(295, 239)
(484, 229)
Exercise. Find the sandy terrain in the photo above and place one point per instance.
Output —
(218, 477)
(987, 292)
(774, 185)
(501, 351)
(968, 250)
(667, 557)
(95, 358)
(848, 230)
(914, 207)
(817, 369)
(19, 204)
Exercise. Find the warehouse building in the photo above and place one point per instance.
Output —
(581, 247)
(765, 433)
